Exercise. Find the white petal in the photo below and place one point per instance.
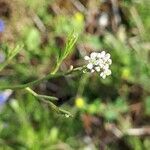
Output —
(105, 67)
(101, 64)
(86, 57)
(97, 69)
(90, 66)
(100, 60)
(108, 72)
(103, 20)
(103, 75)
(96, 62)
(109, 61)
(93, 55)
(107, 56)
(99, 55)
(103, 54)
(92, 70)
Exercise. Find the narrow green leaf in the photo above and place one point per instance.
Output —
(12, 53)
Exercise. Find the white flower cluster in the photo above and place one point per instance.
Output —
(99, 62)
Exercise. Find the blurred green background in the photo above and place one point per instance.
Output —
(110, 114)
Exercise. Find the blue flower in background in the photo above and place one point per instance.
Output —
(4, 96)
(2, 25)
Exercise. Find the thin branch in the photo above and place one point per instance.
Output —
(35, 82)
(38, 22)
(138, 131)
(51, 98)
(52, 105)
(79, 6)
(137, 20)
(130, 132)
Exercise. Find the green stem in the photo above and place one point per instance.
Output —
(44, 97)
(4, 65)
(49, 76)
(56, 68)
(41, 96)
(53, 106)
(31, 91)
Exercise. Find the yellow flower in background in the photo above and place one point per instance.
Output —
(79, 102)
(79, 17)
(125, 73)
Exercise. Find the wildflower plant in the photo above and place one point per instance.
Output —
(98, 62)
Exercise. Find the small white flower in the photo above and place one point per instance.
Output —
(99, 62)
(106, 67)
(109, 61)
(103, 19)
(92, 70)
(107, 56)
(93, 55)
(103, 75)
(86, 57)
(90, 66)
(97, 69)
(103, 53)
(108, 72)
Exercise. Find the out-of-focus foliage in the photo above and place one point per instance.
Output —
(105, 112)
